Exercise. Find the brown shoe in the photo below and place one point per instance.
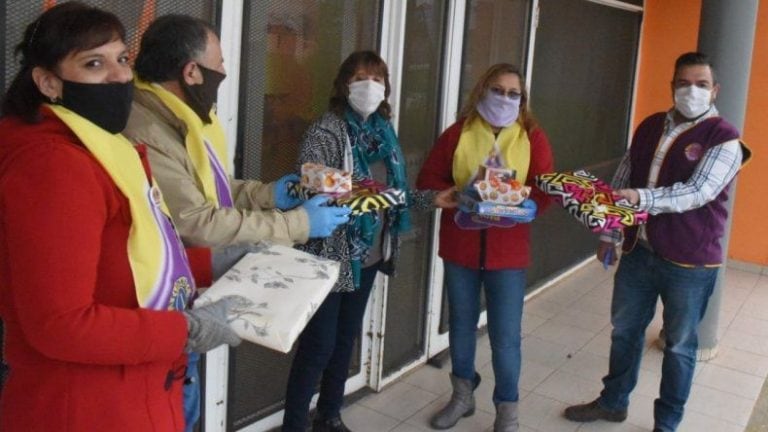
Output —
(593, 411)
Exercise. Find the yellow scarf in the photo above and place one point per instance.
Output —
(206, 145)
(158, 262)
(477, 143)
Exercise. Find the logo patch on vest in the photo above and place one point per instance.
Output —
(693, 152)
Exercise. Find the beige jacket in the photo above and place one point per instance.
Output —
(199, 222)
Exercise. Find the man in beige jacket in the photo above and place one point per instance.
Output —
(179, 69)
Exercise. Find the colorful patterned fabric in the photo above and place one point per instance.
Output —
(371, 141)
(361, 200)
(590, 200)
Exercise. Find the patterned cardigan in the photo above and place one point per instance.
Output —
(324, 143)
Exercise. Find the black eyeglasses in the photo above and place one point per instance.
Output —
(510, 94)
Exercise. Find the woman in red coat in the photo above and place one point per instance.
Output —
(93, 280)
(496, 122)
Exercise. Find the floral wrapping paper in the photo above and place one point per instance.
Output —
(276, 291)
(590, 200)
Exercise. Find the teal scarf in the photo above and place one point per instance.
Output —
(374, 140)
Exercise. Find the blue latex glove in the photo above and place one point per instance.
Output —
(324, 219)
(283, 200)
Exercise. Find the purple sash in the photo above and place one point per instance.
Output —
(177, 284)
(220, 177)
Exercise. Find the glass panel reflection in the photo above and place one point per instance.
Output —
(291, 51)
(496, 31)
(419, 121)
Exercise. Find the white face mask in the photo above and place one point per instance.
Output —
(366, 96)
(692, 101)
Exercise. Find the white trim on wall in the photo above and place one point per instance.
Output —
(454, 44)
(229, 91)
(391, 49)
(217, 360)
(531, 45)
(618, 4)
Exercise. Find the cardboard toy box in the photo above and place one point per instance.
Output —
(322, 179)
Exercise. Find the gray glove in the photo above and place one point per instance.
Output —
(208, 328)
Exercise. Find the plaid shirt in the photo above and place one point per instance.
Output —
(714, 172)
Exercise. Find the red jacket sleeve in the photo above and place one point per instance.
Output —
(542, 162)
(437, 171)
(55, 204)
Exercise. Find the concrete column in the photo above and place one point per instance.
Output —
(726, 34)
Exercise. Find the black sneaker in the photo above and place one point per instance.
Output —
(593, 411)
(329, 425)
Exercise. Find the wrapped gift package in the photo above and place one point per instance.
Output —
(590, 200)
(474, 213)
(365, 196)
(322, 179)
(276, 290)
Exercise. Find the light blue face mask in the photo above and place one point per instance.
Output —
(499, 110)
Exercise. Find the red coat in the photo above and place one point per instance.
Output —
(492, 248)
(83, 356)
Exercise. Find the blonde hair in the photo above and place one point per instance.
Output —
(469, 112)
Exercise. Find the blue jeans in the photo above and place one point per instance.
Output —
(641, 278)
(325, 350)
(504, 292)
(191, 392)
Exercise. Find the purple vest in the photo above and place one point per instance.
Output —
(692, 237)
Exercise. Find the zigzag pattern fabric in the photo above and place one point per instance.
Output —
(359, 200)
(590, 200)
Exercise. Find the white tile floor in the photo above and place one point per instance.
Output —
(565, 353)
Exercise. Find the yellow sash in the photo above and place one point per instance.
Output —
(197, 134)
(149, 250)
(477, 143)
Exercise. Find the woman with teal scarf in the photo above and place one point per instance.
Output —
(354, 135)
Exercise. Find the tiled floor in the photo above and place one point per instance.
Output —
(565, 353)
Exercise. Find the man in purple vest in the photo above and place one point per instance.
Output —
(679, 168)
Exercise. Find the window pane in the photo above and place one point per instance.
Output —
(291, 51)
(581, 92)
(417, 129)
(496, 31)
(16, 15)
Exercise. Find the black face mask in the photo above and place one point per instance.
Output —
(200, 97)
(105, 105)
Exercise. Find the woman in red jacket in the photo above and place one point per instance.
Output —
(496, 121)
(93, 278)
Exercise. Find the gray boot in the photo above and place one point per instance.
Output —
(462, 403)
(506, 417)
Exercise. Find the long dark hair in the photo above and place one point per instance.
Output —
(369, 61)
(469, 111)
(62, 30)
